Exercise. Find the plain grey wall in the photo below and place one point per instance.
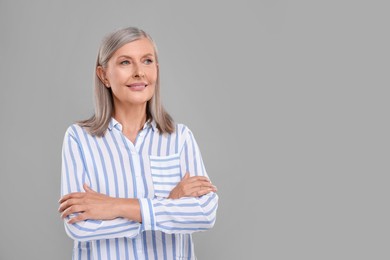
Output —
(288, 101)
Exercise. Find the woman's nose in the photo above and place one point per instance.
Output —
(138, 72)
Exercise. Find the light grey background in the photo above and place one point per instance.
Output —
(288, 100)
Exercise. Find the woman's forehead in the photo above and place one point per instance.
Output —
(140, 47)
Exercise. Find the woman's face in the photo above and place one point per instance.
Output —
(131, 73)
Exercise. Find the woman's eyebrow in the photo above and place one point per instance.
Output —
(148, 54)
(129, 57)
(124, 56)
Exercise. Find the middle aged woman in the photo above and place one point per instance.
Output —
(134, 185)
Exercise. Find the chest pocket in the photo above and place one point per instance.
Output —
(165, 173)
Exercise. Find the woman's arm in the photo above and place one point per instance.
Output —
(191, 205)
(93, 205)
(187, 214)
(73, 176)
(183, 215)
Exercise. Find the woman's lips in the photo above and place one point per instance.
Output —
(137, 86)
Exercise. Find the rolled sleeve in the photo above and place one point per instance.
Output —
(147, 214)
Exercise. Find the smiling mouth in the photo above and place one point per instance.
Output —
(137, 86)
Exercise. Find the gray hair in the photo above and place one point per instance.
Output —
(98, 123)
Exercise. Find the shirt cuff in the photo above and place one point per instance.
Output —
(147, 214)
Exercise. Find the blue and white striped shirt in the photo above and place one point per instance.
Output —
(148, 169)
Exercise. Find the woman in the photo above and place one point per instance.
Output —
(133, 183)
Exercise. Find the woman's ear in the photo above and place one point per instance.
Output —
(102, 76)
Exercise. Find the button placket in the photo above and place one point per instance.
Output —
(137, 163)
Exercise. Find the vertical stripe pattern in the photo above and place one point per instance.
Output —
(148, 170)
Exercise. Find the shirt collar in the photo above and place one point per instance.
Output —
(114, 123)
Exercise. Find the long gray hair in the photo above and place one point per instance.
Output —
(104, 105)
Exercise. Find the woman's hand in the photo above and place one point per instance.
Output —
(194, 186)
(97, 206)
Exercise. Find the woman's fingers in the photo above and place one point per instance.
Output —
(72, 205)
(89, 204)
(74, 198)
(200, 184)
(76, 194)
(202, 192)
(198, 178)
(72, 209)
(71, 195)
(79, 217)
(194, 186)
(66, 204)
(88, 189)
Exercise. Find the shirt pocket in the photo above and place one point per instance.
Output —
(166, 173)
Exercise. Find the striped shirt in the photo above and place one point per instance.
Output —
(148, 170)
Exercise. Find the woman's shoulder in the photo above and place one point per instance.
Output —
(182, 129)
(75, 130)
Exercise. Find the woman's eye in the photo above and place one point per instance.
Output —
(148, 61)
(125, 62)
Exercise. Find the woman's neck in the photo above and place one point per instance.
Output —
(132, 120)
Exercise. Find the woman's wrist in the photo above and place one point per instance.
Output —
(129, 208)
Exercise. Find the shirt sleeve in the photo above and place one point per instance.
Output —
(73, 176)
(184, 215)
